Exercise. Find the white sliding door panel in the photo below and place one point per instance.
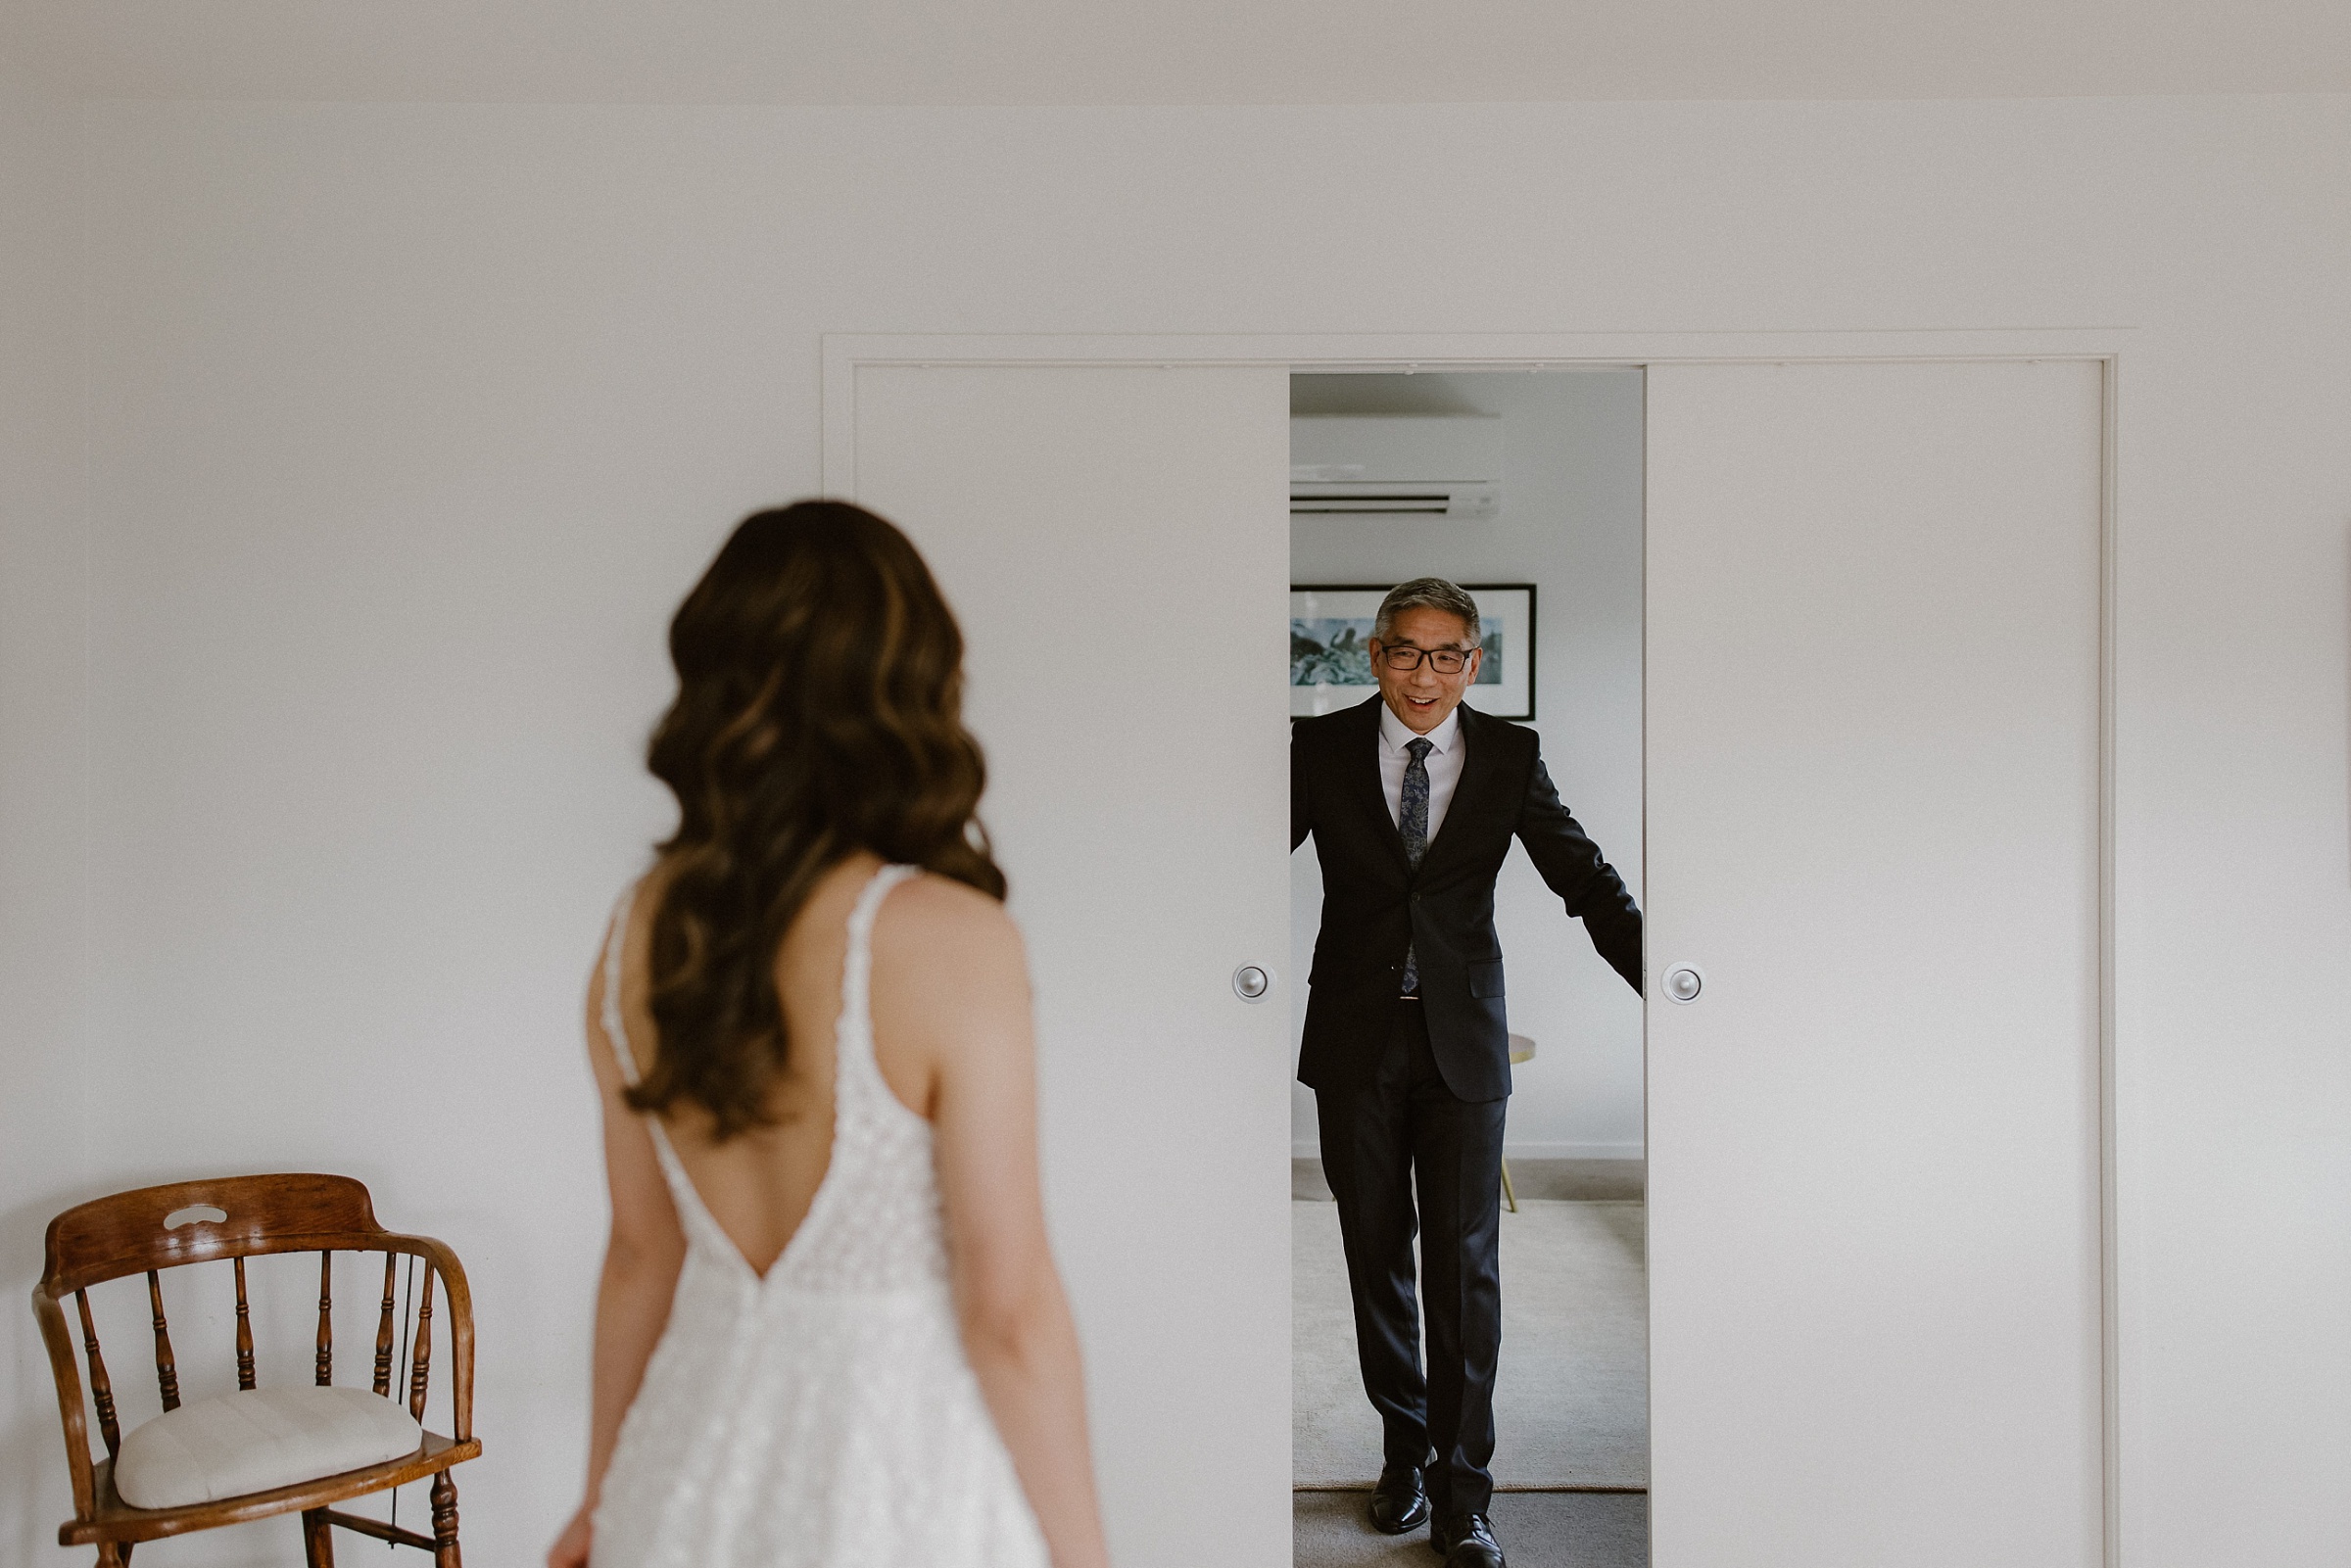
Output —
(1873, 798)
(1115, 543)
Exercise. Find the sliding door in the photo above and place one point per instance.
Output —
(1873, 843)
(1115, 543)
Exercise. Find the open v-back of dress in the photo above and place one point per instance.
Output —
(823, 1413)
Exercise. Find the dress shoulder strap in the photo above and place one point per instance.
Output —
(616, 1024)
(856, 1029)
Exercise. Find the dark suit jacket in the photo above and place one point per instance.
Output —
(1374, 904)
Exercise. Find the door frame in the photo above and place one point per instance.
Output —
(846, 354)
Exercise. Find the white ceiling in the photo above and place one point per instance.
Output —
(1174, 51)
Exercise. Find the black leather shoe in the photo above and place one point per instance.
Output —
(1467, 1542)
(1399, 1501)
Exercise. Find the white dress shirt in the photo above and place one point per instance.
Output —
(1444, 764)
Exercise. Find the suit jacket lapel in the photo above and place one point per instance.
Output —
(1477, 773)
(1364, 764)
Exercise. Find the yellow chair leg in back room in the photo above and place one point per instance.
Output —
(1522, 1049)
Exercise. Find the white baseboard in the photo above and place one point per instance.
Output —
(1573, 1151)
(1312, 1149)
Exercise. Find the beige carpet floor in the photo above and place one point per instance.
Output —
(1572, 1399)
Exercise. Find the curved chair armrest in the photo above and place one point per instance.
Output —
(445, 1263)
(60, 1341)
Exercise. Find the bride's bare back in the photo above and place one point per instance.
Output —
(758, 1184)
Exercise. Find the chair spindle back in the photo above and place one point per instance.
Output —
(420, 1354)
(383, 1331)
(166, 1370)
(244, 1330)
(102, 1390)
(326, 1317)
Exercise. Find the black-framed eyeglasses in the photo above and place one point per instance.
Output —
(1445, 662)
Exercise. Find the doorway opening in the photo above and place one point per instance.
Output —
(1526, 490)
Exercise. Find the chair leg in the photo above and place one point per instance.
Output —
(318, 1540)
(114, 1555)
(1510, 1197)
(445, 1522)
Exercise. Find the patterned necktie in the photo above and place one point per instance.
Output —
(1412, 821)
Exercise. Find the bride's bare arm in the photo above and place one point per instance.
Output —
(642, 1255)
(951, 992)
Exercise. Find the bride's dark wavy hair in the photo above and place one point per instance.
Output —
(818, 712)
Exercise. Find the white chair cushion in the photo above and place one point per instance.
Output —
(258, 1438)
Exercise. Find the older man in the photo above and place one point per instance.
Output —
(1413, 800)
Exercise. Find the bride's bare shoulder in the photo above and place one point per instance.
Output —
(935, 930)
(930, 908)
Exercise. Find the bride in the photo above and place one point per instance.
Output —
(830, 1330)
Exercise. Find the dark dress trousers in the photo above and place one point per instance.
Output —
(1410, 1095)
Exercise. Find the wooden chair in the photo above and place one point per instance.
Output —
(231, 1220)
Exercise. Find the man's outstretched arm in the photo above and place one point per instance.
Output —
(1572, 867)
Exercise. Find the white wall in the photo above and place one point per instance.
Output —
(1569, 523)
(42, 625)
(409, 423)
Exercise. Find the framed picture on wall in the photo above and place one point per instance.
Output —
(1330, 654)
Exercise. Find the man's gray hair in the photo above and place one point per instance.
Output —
(1426, 594)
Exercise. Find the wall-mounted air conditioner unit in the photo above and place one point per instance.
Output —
(1385, 466)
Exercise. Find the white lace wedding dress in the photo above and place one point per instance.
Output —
(824, 1414)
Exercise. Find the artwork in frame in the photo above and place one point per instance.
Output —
(1330, 654)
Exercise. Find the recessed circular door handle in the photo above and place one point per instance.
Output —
(1683, 982)
(1251, 983)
